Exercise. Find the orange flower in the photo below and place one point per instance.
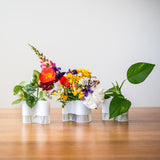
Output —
(64, 82)
(47, 75)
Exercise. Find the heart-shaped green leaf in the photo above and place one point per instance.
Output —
(138, 72)
(17, 89)
(31, 101)
(118, 106)
(30, 89)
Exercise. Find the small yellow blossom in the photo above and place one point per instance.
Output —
(81, 95)
(69, 76)
(75, 92)
(64, 97)
(70, 81)
(86, 73)
(77, 78)
(54, 93)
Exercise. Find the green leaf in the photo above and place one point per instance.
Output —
(110, 90)
(35, 79)
(23, 83)
(18, 101)
(36, 74)
(138, 72)
(114, 89)
(17, 89)
(31, 101)
(41, 94)
(106, 96)
(118, 106)
(25, 94)
(30, 89)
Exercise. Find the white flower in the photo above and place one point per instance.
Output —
(57, 85)
(89, 102)
(98, 95)
(84, 81)
(95, 99)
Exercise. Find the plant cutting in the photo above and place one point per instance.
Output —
(76, 89)
(29, 92)
(119, 104)
(35, 107)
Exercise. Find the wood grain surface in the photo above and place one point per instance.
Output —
(138, 139)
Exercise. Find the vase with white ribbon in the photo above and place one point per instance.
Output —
(40, 113)
(76, 111)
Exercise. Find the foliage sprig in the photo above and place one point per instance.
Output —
(136, 74)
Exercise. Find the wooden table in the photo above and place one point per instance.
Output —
(139, 139)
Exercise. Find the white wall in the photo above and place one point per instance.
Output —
(106, 36)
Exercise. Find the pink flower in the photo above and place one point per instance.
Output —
(52, 64)
(43, 66)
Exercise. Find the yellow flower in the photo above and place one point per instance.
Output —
(69, 76)
(54, 93)
(79, 70)
(70, 81)
(64, 97)
(81, 95)
(78, 78)
(86, 73)
(75, 92)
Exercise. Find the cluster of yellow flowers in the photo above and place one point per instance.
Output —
(73, 77)
(81, 73)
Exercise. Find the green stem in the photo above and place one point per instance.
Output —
(37, 92)
(122, 85)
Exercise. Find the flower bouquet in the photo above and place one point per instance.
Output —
(79, 94)
(76, 89)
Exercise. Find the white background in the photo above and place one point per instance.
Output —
(106, 36)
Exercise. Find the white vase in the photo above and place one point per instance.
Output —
(40, 113)
(105, 110)
(122, 118)
(76, 111)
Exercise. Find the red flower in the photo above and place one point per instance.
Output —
(47, 75)
(64, 82)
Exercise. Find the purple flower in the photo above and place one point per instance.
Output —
(57, 71)
(87, 90)
(73, 71)
(60, 74)
(55, 68)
